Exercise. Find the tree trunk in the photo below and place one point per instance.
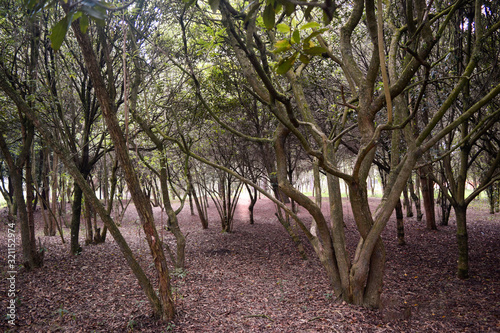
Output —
(317, 183)
(366, 275)
(445, 209)
(253, 201)
(428, 196)
(462, 241)
(400, 223)
(8, 195)
(45, 182)
(415, 197)
(497, 196)
(407, 203)
(491, 198)
(55, 185)
(191, 208)
(31, 257)
(89, 232)
(172, 217)
(166, 310)
(337, 225)
(192, 191)
(76, 210)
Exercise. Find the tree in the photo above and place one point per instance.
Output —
(294, 48)
(163, 303)
(19, 163)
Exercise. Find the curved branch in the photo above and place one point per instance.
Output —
(240, 178)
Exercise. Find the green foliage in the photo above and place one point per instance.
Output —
(61, 28)
(269, 16)
(85, 10)
(130, 325)
(310, 25)
(303, 49)
(286, 63)
(179, 273)
(283, 28)
(170, 327)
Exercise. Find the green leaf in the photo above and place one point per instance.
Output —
(307, 44)
(282, 27)
(326, 18)
(285, 64)
(304, 59)
(296, 37)
(76, 16)
(277, 7)
(59, 31)
(289, 8)
(315, 50)
(214, 4)
(310, 25)
(282, 44)
(84, 23)
(268, 17)
(316, 33)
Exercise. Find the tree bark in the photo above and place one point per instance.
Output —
(462, 241)
(89, 232)
(76, 209)
(491, 198)
(407, 203)
(400, 224)
(172, 217)
(55, 186)
(166, 311)
(31, 257)
(317, 183)
(253, 201)
(414, 196)
(428, 196)
(192, 191)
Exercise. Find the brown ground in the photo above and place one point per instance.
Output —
(254, 281)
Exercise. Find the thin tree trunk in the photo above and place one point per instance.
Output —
(201, 214)
(491, 198)
(62, 214)
(462, 241)
(445, 208)
(414, 196)
(428, 196)
(55, 184)
(496, 196)
(253, 201)
(400, 224)
(172, 217)
(32, 258)
(317, 183)
(45, 182)
(76, 209)
(89, 232)
(407, 203)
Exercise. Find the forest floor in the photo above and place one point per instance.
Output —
(253, 280)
